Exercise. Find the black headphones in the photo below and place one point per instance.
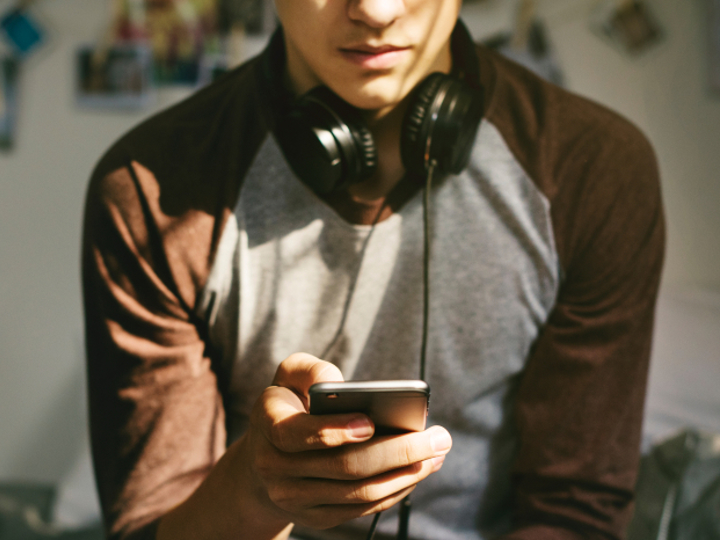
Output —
(329, 147)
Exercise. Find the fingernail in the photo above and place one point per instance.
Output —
(441, 441)
(437, 463)
(360, 428)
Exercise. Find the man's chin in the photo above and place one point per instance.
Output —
(376, 95)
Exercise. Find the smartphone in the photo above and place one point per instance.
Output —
(393, 406)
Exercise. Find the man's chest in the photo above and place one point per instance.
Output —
(297, 278)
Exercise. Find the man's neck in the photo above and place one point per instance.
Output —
(385, 128)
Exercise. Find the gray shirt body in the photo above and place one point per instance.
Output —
(282, 274)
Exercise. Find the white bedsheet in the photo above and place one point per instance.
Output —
(684, 385)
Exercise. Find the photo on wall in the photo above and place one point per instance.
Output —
(22, 31)
(178, 32)
(249, 14)
(8, 101)
(116, 77)
(714, 39)
(630, 25)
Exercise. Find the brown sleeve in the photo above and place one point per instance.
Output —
(155, 210)
(157, 419)
(580, 402)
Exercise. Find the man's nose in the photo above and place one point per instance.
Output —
(376, 13)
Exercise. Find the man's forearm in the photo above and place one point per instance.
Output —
(223, 507)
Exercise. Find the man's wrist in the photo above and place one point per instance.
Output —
(225, 505)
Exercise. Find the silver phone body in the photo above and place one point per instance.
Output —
(393, 406)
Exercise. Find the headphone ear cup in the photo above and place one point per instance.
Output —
(367, 151)
(326, 142)
(440, 125)
(415, 125)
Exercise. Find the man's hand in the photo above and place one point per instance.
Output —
(294, 467)
(320, 471)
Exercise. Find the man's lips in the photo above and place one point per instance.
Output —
(368, 57)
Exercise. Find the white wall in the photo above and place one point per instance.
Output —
(664, 92)
(41, 196)
(42, 186)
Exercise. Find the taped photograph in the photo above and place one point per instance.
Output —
(250, 15)
(8, 101)
(629, 25)
(714, 39)
(119, 77)
(22, 31)
(180, 33)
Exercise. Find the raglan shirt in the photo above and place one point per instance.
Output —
(206, 262)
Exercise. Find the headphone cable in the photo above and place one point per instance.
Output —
(371, 532)
(426, 267)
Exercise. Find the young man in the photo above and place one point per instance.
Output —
(207, 260)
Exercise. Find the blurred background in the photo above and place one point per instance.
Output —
(76, 74)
